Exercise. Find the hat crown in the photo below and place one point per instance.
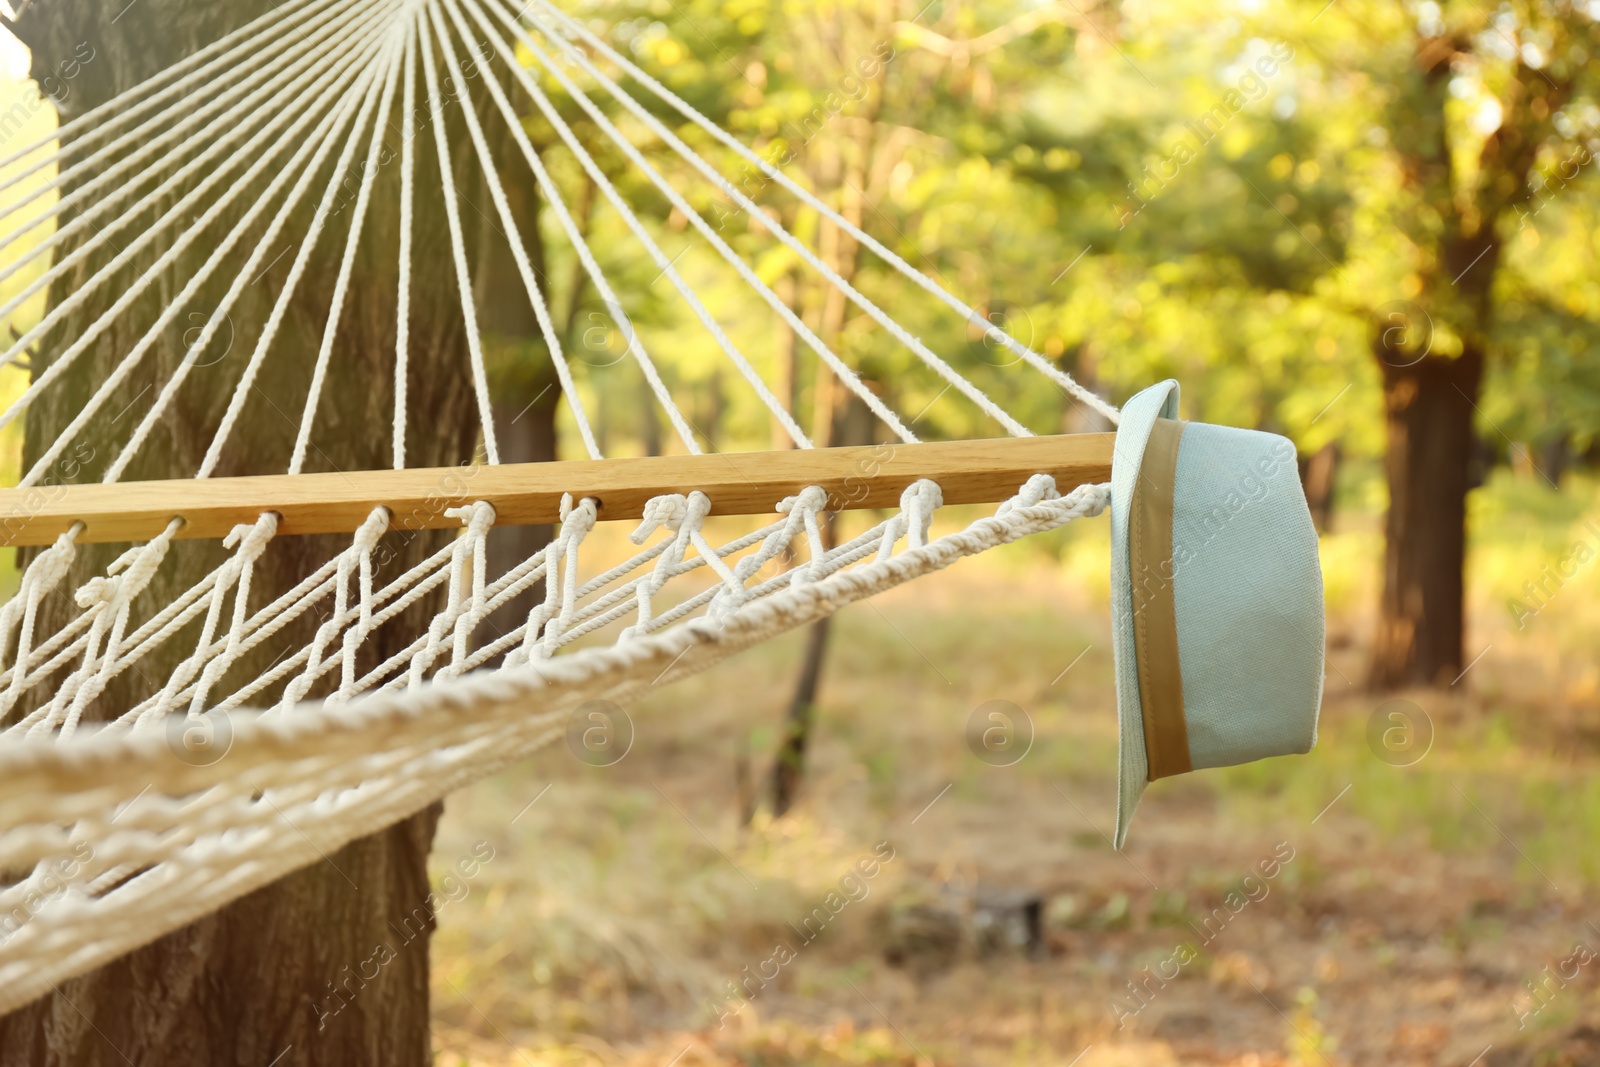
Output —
(1247, 593)
(1222, 621)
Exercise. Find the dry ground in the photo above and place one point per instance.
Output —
(1407, 909)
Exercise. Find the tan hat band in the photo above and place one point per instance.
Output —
(1155, 619)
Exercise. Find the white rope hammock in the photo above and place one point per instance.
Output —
(208, 170)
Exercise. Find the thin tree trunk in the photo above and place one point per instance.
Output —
(1082, 361)
(843, 253)
(714, 402)
(286, 975)
(784, 356)
(1317, 476)
(1429, 405)
(789, 768)
(1556, 457)
(649, 418)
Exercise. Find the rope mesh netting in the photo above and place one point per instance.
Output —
(190, 186)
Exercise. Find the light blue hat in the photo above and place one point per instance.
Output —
(1216, 597)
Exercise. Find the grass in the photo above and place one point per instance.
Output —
(1418, 901)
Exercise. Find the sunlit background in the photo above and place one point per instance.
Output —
(1139, 190)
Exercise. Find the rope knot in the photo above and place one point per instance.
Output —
(577, 519)
(373, 529)
(669, 510)
(811, 498)
(128, 574)
(251, 539)
(923, 495)
(142, 563)
(1034, 491)
(803, 510)
(920, 500)
(51, 565)
(96, 591)
(699, 509)
(550, 618)
(477, 516)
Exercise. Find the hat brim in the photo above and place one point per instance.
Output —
(1139, 415)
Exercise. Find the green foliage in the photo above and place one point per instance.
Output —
(1239, 197)
(1242, 196)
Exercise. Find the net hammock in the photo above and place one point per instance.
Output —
(124, 823)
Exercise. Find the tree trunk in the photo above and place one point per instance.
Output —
(522, 375)
(1429, 405)
(649, 418)
(711, 407)
(1317, 475)
(785, 358)
(1082, 361)
(1453, 220)
(1556, 457)
(830, 413)
(282, 975)
(789, 768)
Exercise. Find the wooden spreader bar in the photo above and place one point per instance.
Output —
(738, 483)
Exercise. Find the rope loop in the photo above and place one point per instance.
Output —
(372, 530)
(469, 549)
(49, 568)
(805, 509)
(918, 502)
(365, 542)
(128, 575)
(251, 538)
(551, 616)
(796, 507)
(1034, 491)
(683, 515)
(561, 576)
(477, 517)
(252, 541)
(108, 599)
(358, 555)
(578, 519)
(811, 498)
(699, 509)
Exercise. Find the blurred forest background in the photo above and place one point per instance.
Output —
(1371, 227)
